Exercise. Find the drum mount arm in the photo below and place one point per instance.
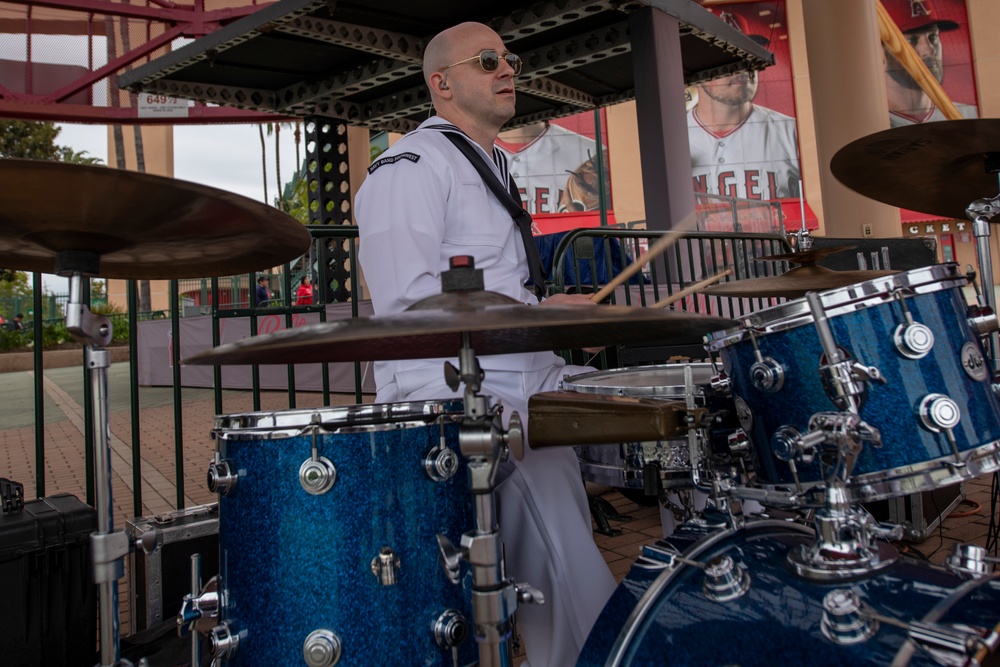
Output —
(841, 434)
(847, 541)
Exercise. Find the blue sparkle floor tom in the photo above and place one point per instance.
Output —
(328, 525)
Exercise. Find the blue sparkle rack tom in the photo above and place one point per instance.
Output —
(911, 366)
(329, 525)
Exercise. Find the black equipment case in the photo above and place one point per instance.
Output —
(160, 579)
(47, 584)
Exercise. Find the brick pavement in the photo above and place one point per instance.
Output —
(65, 473)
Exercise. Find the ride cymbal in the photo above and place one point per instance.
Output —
(937, 168)
(793, 284)
(493, 324)
(124, 224)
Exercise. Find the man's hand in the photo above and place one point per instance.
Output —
(562, 299)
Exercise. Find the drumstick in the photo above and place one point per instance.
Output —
(661, 246)
(897, 44)
(663, 303)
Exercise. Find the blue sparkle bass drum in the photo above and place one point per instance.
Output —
(925, 385)
(728, 598)
(328, 536)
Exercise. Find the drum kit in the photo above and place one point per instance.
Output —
(368, 534)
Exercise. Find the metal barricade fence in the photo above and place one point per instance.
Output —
(589, 256)
(586, 259)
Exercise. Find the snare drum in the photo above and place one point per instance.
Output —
(328, 525)
(622, 466)
(664, 614)
(937, 383)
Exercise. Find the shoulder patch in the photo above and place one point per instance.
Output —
(392, 159)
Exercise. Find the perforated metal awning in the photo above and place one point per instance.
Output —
(360, 61)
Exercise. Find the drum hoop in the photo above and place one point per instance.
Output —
(573, 382)
(908, 649)
(884, 484)
(354, 419)
(640, 611)
(839, 301)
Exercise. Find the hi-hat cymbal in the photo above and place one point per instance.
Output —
(793, 284)
(936, 168)
(137, 225)
(435, 328)
(810, 256)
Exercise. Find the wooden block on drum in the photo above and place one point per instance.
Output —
(557, 419)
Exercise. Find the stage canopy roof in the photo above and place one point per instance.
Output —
(359, 61)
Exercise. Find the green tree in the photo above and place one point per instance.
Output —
(14, 292)
(37, 141)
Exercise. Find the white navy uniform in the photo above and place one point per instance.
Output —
(542, 167)
(421, 203)
(759, 159)
(897, 119)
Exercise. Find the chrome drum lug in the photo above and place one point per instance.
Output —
(322, 648)
(223, 642)
(221, 478)
(450, 629)
(767, 375)
(441, 464)
(317, 475)
(842, 621)
(939, 413)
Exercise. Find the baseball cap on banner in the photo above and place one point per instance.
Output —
(916, 14)
(740, 23)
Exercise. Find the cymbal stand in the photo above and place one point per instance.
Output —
(803, 241)
(107, 547)
(495, 597)
(981, 212)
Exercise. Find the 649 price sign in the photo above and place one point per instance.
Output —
(152, 105)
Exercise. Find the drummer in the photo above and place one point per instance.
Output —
(422, 203)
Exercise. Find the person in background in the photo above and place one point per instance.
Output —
(18, 323)
(263, 291)
(304, 293)
(423, 202)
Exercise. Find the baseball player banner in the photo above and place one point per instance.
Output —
(555, 166)
(741, 127)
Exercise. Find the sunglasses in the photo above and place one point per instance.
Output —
(489, 60)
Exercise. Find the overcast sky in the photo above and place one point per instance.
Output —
(222, 156)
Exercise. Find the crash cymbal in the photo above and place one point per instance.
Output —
(135, 225)
(435, 327)
(810, 256)
(793, 284)
(936, 168)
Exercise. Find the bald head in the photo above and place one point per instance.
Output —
(454, 44)
(463, 91)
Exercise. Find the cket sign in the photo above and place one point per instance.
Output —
(937, 227)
